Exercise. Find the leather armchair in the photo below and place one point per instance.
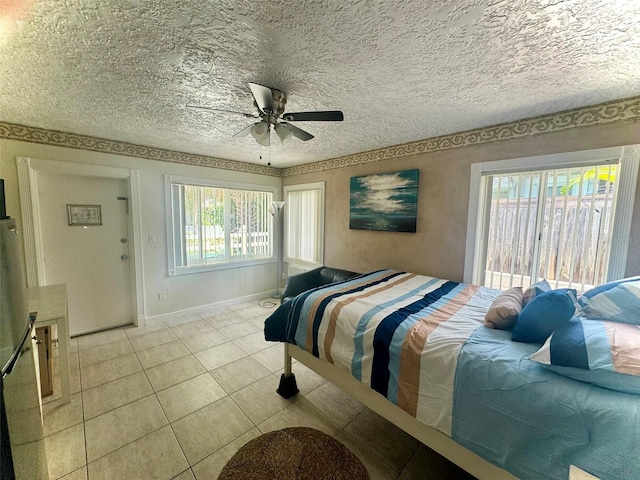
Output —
(317, 277)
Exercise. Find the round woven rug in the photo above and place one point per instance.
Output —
(297, 453)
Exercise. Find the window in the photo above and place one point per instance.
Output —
(216, 226)
(304, 223)
(564, 218)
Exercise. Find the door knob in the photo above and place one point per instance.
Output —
(124, 256)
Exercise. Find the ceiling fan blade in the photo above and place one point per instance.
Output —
(263, 97)
(209, 109)
(328, 116)
(297, 132)
(245, 131)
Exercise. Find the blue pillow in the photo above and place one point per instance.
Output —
(595, 351)
(543, 315)
(535, 290)
(617, 301)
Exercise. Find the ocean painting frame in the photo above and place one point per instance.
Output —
(385, 202)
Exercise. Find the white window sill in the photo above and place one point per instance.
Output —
(219, 266)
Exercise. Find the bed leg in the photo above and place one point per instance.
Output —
(288, 386)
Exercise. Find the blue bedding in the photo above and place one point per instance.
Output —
(421, 343)
(535, 423)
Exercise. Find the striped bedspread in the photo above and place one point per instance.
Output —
(420, 342)
(398, 332)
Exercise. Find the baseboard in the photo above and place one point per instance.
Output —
(198, 309)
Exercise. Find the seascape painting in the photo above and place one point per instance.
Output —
(385, 201)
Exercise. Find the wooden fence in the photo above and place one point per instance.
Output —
(572, 250)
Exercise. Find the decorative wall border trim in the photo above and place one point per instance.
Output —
(24, 133)
(618, 111)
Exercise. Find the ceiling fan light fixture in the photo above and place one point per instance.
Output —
(270, 103)
(259, 129)
(282, 132)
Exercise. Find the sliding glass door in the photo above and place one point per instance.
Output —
(553, 224)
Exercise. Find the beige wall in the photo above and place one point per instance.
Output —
(438, 246)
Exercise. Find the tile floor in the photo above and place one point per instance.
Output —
(176, 399)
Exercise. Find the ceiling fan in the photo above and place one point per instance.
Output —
(270, 104)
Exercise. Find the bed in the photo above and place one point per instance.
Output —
(414, 349)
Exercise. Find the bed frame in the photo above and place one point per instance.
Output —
(432, 438)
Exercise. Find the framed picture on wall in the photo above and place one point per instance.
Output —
(384, 201)
(84, 214)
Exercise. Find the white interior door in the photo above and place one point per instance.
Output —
(93, 260)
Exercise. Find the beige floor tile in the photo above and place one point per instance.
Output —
(377, 468)
(149, 328)
(210, 428)
(202, 341)
(105, 352)
(307, 379)
(157, 456)
(189, 396)
(80, 474)
(238, 330)
(259, 321)
(236, 375)
(219, 355)
(210, 311)
(152, 339)
(240, 306)
(116, 428)
(159, 354)
(439, 468)
(59, 416)
(223, 319)
(211, 466)
(186, 475)
(65, 451)
(191, 328)
(395, 447)
(252, 343)
(209, 425)
(100, 338)
(181, 319)
(251, 312)
(259, 400)
(174, 372)
(300, 414)
(114, 394)
(335, 404)
(267, 310)
(104, 372)
(272, 358)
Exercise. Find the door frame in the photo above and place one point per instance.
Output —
(28, 171)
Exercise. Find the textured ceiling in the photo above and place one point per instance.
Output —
(400, 71)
